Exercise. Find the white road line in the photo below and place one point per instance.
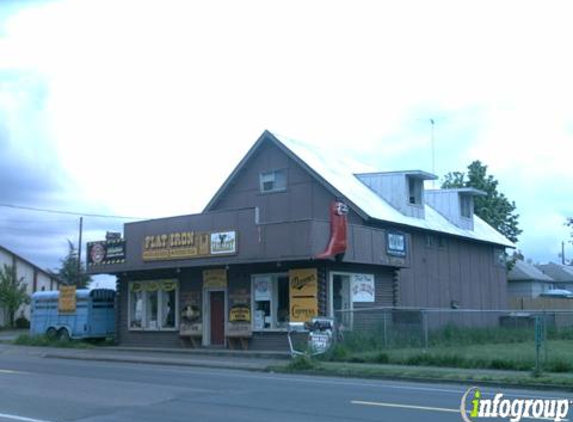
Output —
(9, 371)
(20, 418)
(405, 406)
(427, 408)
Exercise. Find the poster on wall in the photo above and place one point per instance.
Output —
(239, 323)
(67, 299)
(191, 316)
(362, 288)
(263, 288)
(303, 294)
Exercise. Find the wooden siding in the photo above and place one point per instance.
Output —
(460, 271)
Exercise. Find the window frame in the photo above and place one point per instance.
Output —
(417, 186)
(160, 300)
(263, 174)
(274, 301)
(466, 205)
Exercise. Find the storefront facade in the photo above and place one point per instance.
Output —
(278, 243)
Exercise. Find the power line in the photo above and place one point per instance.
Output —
(22, 207)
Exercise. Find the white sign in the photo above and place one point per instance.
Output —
(362, 287)
(223, 243)
(263, 288)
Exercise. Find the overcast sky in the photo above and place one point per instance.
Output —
(137, 108)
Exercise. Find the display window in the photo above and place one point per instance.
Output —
(270, 301)
(153, 305)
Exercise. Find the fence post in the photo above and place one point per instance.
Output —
(425, 326)
(385, 328)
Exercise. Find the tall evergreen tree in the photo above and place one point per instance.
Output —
(68, 271)
(494, 208)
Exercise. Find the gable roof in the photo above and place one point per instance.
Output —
(558, 272)
(522, 271)
(339, 178)
(20, 258)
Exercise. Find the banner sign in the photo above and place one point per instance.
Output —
(362, 287)
(215, 279)
(189, 245)
(303, 292)
(67, 299)
(105, 252)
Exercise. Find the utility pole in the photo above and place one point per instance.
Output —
(78, 282)
(433, 153)
(563, 260)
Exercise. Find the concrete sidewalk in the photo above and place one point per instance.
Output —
(222, 359)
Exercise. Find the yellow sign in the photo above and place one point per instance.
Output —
(303, 309)
(189, 244)
(303, 283)
(240, 313)
(215, 279)
(303, 291)
(67, 299)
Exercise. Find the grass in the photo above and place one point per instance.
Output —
(44, 341)
(509, 356)
(358, 370)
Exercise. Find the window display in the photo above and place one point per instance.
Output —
(153, 305)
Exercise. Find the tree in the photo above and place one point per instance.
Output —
(494, 208)
(68, 271)
(12, 293)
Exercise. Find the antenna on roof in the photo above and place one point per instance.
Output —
(433, 153)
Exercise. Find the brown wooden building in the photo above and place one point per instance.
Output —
(264, 252)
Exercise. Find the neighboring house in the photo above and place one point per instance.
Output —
(562, 275)
(34, 278)
(525, 280)
(292, 234)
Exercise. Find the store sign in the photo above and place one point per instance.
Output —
(105, 252)
(396, 244)
(362, 287)
(303, 292)
(240, 313)
(189, 245)
(215, 279)
(67, 299)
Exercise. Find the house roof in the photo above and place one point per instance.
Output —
(338, 176)
(522, 271)
(20, 258)
(558, 272)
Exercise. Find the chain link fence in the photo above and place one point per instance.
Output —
(495, 339)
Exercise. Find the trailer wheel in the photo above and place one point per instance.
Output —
(63, 335)
(51, 333)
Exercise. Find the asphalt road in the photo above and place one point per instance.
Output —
(34, 389)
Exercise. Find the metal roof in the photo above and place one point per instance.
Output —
(558, 272)
(522, 271)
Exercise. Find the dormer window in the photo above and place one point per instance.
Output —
(273, 181)
(414, 191)
(466, 206)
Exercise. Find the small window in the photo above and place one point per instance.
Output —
(430, 240)
(273, 181)
(466, 206)
(414, 191)
(396, 244)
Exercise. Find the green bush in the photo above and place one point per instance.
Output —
(302, 363)
(22, 322)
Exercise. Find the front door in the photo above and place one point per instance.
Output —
(217, 318)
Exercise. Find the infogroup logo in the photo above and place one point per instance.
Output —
(474, 406)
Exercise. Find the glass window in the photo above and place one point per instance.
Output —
(414, 191)
(270, 301)
(395, 244)
(465, 206)
(273, 181)
(153, 305)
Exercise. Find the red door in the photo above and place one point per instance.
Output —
(217, 318)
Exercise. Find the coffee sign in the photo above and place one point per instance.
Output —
(303, 292)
